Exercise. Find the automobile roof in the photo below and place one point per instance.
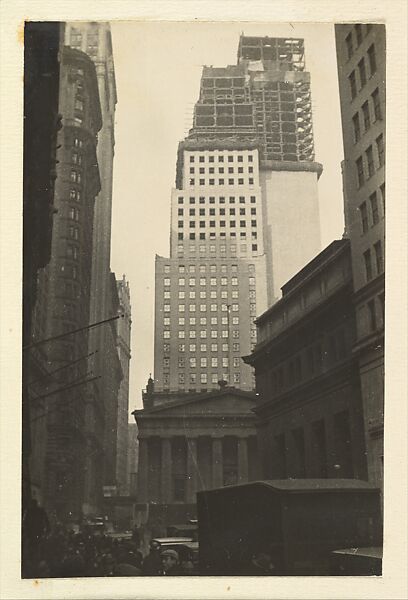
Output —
(172, 540)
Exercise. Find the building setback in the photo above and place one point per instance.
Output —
(310, 420)
(246, 187)
(94, 38)
(63, 300)
(361, 69)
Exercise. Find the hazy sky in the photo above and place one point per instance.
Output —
(158, 68)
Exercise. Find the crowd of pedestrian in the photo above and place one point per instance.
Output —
(62, 552)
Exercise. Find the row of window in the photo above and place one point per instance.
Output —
(77, 142)
(213, 294)
(364, 172)
(213, 307)
(303, 299)
(75, 195)
(202, 379)
(365, 111)
(76, 37)
(293, 462)
(202, 281)
(358, 35)
(75, 176)
(203, 250)
(192, 281)
(376, 256)
(221, 170)
(73, 213)
(212, 268)
(73, 232)
(212, 236)
(307, 363)
(213, 347)
(202, 308)
(372, 312)
(192, 334)
(72, 252)
(79, 101)
(361, 67)
(203, 362)
(92, 42)
(221, 181)
(211, 211)
(202, 321)
(222, 223)
(212, 199)
(76, 159)
(230, 158)
(369, 212)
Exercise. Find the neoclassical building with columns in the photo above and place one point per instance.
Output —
(189, 443)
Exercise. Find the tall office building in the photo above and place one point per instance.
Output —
(94, 38)
(63, 299)
(361, 69)
(123, 344)
(244, 215)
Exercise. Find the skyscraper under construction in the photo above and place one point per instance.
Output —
(244, 215)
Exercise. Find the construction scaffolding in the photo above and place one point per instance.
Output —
(264, 98)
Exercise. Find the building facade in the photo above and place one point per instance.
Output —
(123, 344)
(191, 442)
(361, 69)
(310, 416)
(94, 38)
(63, 300)
(246, 186)
(133, 459)
(113, 378)
(42, 57)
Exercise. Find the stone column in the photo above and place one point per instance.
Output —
(165, 470)
(143, 470)
(242, 460)
(217, 463)
(192, 469)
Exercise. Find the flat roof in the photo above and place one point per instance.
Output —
(305, 485)
(370, 551)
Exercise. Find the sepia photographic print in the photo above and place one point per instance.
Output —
(203, 300)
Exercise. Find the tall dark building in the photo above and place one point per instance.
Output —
(94, 38)
(361, 69)
(42, 46)
(63, 301)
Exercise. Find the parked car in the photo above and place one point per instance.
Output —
(183, 530)
(186, 547)
(94, 526)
